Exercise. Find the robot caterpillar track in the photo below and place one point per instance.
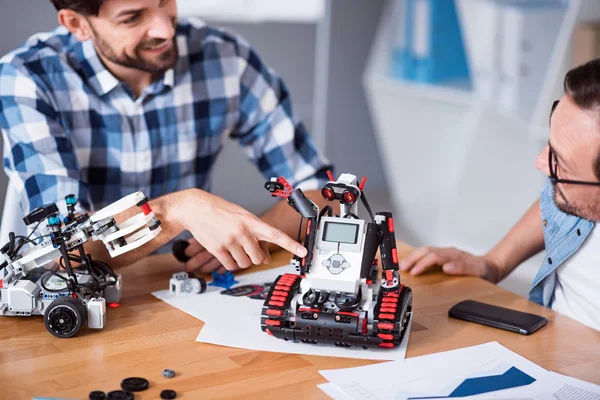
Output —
(382, 325)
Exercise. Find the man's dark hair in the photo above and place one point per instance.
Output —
(85, 7)
(582, 85)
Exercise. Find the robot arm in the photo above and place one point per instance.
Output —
(389, 256)
(113, 235)
(307, 209)
(60, 241)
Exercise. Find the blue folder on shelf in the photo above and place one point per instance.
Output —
(433, 50)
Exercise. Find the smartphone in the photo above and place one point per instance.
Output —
(497, 317)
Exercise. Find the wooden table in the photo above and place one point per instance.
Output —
(145, 335)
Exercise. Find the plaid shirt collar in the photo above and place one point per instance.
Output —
(102, 81)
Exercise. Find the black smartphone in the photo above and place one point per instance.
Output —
(497, 317)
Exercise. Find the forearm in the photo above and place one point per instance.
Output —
(523, 241)
(167, 210)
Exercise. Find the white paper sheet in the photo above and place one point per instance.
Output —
(334, 391)
(436, 374)
(554, 387)
(235, 322)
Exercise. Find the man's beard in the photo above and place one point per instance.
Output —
(563, 205)
(165, 61)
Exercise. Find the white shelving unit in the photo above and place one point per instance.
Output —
(307, 11)
(460, 172)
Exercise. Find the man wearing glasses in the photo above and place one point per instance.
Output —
(561, 221)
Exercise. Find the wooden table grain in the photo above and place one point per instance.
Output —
(144, 335)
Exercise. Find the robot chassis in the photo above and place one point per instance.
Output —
(337, 297)
(67, 295)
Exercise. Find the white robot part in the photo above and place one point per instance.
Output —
(134, 241)
(118, 207)
(181, 283)
(337, 261)
(96, 313)
(131, 225)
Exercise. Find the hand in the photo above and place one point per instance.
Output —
(452, 261)
(200, 259)
(233, 236)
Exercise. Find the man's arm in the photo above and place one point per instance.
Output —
(523, 241)
(43, 168)
(273, 140)
(235, 236)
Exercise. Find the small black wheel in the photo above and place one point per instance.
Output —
(64, 317)
(134, 384)
(97, 395)
(168, 394)
(119, 395)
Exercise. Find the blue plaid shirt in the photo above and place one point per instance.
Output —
(70, 126)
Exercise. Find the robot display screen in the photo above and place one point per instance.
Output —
(344, 233)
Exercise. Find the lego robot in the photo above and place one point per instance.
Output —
(337, 297)
(78, 287)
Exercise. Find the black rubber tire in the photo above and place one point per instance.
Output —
(134, 384)
(119, 395)
(64, 317)
(97, 395)
(168, 394)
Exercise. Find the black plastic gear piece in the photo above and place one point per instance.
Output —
(97, 395)
(168, 394)
(119, 395)
(178, 249)
(134, 384)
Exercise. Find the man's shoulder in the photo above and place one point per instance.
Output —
(200, 35)
(42, 53)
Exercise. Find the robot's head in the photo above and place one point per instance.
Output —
(346, 194)
(345, 189)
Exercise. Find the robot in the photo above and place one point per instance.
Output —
(337, 297)
(77, 288)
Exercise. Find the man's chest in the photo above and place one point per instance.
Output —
(175, 126)
(576, 290)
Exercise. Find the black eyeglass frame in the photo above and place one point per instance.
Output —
(553, 164)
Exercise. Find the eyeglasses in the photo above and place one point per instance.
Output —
(553, 164)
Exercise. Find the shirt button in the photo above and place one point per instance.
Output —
(549, 261)
(578, 232)
(545, 222)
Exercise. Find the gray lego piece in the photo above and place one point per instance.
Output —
(112, 294)
(22, 296)
(169, 373)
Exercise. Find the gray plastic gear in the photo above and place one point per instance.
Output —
(169, 373)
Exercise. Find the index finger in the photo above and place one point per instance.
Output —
(273, 235)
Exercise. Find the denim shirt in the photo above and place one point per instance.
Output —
(563, 235)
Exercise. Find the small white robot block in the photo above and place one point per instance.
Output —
(183, 283)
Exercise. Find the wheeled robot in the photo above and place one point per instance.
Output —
(338, 296)
(77, 288)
